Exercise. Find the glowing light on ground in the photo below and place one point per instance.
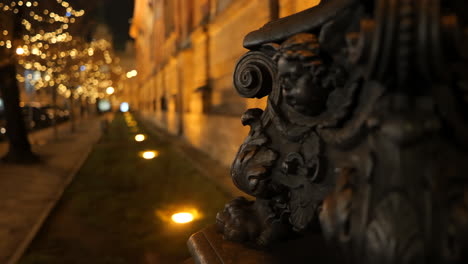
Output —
(148, 155)
(140, 138)
(182, 218)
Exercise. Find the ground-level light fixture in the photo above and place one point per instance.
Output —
(149, 155)
(132, 123)
(110, 90)
(182, 217)
(140, 138)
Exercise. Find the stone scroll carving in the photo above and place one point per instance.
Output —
(365, 134)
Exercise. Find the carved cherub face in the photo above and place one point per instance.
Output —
(298, 88)
(300, 68)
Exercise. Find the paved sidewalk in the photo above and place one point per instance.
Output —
(29, 193)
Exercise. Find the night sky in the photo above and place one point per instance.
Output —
(115, 13)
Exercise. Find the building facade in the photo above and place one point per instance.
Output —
(186, 51)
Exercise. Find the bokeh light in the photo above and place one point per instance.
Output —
(110, 90)
(20, 51)
(140, 138)
(149, 155)
(182, 218)
(104, 105)
(124, 107)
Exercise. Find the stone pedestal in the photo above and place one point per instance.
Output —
(208, 247)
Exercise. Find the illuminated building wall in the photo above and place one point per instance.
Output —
(186, 51)
(127, 62)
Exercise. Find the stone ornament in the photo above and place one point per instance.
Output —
(365, 135)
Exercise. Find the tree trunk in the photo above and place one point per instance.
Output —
(19, 147)
(55, 112)
(72, 113)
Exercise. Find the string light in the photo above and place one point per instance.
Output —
(20, 51)
(53, 55)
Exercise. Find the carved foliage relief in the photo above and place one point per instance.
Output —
(365, 133)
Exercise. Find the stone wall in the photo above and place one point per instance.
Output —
(185, 85)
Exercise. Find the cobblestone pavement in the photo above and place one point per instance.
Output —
(28, 193)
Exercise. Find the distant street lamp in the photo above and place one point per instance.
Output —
(124, 107)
